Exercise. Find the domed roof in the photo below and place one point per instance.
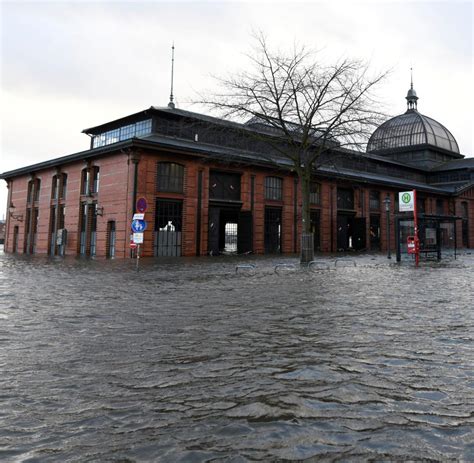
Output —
(410, 130)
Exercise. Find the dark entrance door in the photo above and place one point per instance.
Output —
(244, 232)
(224, 231)
(351, 233)
(315, 219)
(344, 231)
(15, 239)
(272, 230)
(213, 234)
(375, 232)
(359, 235)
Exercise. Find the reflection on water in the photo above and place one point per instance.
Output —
(189, 360)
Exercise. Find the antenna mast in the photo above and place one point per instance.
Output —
(171, 104)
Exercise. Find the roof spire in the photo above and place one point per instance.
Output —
(411, 95)
(171, 104)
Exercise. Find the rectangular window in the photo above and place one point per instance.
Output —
(85, 179)
(122, 133)
(374, 200)
(274, 188)
(95, 179)
(345, 199)
(315, 193)
(439, 207)
(170, 177)
(55, 187)
(224, 186)
(420, 205)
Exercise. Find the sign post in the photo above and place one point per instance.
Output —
(407, 203)
(139, 226)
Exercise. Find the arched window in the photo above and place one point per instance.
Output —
(315, 193)
(95, 179)
(55, 187)
(63, 188)
(170, 177)
(274, 188)
(85, 180)
(37, 189)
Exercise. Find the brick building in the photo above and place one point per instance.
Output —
(211, 188)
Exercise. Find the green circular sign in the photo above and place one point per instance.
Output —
(406, 198)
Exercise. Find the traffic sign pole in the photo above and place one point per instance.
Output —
(415, 217)
(138, 256)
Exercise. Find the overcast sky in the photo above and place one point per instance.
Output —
(67, 66)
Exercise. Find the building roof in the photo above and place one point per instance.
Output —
(411, 129)
(241, 154)
(466, 163)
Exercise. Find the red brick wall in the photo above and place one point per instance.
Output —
(115, 196)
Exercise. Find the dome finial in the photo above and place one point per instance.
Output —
(411, 95)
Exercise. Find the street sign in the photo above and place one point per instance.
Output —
(141, 205)
(406, 201)
(138, 216)
(133, 245)
(138, 238)
(138, 226)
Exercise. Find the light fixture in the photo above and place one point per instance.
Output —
(11, 210)
(99, 211)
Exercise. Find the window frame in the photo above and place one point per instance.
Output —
(273, 187)
(171, 179)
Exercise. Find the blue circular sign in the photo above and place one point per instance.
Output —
(138, 226)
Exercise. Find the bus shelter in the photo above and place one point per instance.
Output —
(437, 235)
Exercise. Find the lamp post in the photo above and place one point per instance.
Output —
(18, 217)
(387, 203)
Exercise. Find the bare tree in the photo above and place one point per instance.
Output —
(302, 108)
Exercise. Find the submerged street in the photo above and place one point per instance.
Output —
(190, 360)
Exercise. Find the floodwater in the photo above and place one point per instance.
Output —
(188, 360)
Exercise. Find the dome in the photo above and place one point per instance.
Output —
(410, 130)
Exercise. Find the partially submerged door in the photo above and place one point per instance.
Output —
(359, 234)
(213, 234)
(244, 232)
(342, 233)
(272, 230)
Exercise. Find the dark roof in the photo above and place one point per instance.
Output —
(229, 154)
(179, 145)
(412, 129)
(466, 163)
(385, 179)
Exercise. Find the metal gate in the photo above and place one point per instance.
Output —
(168, 228)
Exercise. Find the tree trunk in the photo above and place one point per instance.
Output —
(307, 238)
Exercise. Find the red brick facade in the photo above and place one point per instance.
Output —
(116, 193)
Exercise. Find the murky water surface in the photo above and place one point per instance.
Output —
(190, 361)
